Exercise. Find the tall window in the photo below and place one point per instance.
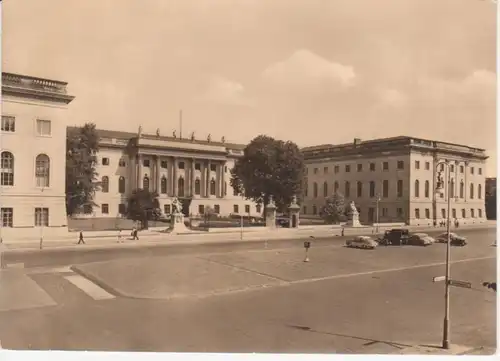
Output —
(258, 208)
(166, 209)
(217, 209)
(105, 184)
(471, 191)
(43, 127)
(417, 188)
(122, 209)
(452, 188)
(212, 187)
(7, 215)
(8, 124)
(427, 190)
(360, 189)
(121, 185)
(479, 191)
(180, 187)
(145, 183)
(122, 162)
(315, 190)
(400, 188)
(7, 171)
(42, 170)
(372, 189)
(197, 186)
(315, 210)
(236, 209)
(41, 217)
(401, 164)
(325, 189)
(105, 208)
(163, 185)
(336, 186)
(462, 187)
(385, 190)
(347, 191)
(247, 208)
(417, 213)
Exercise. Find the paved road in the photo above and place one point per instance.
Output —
(78, 255)
(344, 301)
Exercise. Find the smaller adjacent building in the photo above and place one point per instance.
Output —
(491, 198)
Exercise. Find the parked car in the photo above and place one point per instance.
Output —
(420, 239)
(283, 222)
(397, 236)
(364, 242)
(455, 239)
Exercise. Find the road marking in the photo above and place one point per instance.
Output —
(90, 288)
(39, 270)
(15, 265)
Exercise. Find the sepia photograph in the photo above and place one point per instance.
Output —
(249, 176)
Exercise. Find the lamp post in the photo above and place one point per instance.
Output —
(439, 188)
(42, 220)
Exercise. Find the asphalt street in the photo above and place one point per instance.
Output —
(255, 299)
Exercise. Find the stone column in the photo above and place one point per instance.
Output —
(466, 186)
(207, 180)
(139, 171)
(222, 179)
(157, 173)
(174, 176)
(192, 176)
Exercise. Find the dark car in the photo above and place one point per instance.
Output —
(396, 237)
(420, 239)
(283, 222)
(455, 239)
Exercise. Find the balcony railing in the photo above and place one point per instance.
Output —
(27, 82)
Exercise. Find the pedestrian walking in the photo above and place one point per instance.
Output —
(80, 238)
(119, 235)
(134, 234)
(342, 232)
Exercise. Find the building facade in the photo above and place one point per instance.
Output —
(33, 144)
(172, 167)
(395, 179)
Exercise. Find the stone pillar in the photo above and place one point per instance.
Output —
(293, 213)
(157, 174)
(193, 171)
(223, 179)
(174, 176)
(139, 171)
(207, 180)
(271, 214)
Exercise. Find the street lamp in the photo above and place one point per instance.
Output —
(441, 188)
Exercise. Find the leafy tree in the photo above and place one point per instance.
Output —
(82, 146)
(143, 206)
(334, 210)
(269, 167)
(186, 204)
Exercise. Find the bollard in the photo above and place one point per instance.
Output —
(307, 245)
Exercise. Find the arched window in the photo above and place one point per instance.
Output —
(180, 186)
(42, 170)
(163, 185)
(360, 189)
(471, 191)
(347, 189)
(462, 187)
(479, 191)
(452, 188)
(372, 189)
(197, 186)
(417, 188)
(105, 184)
(7, 171)
(427, 190)
(121, 185)
(336, 187)
(315, 190)
(325, 189)
(212, 187)
(145, 183)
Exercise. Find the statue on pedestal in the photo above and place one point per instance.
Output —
(139, 131)
(192, 137)
(223, 140)
(176, 205)
(174, 134)
(353, 209)
(209, 138)
(353, 216)
(157, 132)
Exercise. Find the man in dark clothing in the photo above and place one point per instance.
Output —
(80, 239)
(134, 235)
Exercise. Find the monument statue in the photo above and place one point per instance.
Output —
(174, 134)
(157, 132)
(294, 200)
(353, 208)
(139, 131)
(271, 202)
(209, 138)
(223, 140)
(192, 136)
(353, 216)
(176, 205)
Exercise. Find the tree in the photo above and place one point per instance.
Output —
(186, 204)
(143, 206)
(334, 210)
(82, 146)
(269, 167)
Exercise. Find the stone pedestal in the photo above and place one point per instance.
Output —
(271, 214)
(293, 213)
(177, 223)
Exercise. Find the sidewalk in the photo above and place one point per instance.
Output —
(152, 238)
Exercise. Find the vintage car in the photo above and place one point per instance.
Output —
(420, 239)
(398, 236)
(455, 239)
(364, 242)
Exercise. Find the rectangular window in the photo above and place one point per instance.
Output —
(213, 167)
(8, 124)
(304, 210)
(347, 168)
(122, 163)
(417, 164)
(463, 213)
(247, 208)
(480, 213)
(43, 127)
(216, 209)
(315, 170)
(427, 213)
(315, 210)
(399, 212)
(417, 213)
(181, 165)
(400, 188)
(385, 212)
(41, 217)
(443, 213)
(197, 166)
(452, 168)
(7, 215)
(225, 169)
(372, 167)
(385, 166)
(164, 164)
(201, 209)
(480, 171)
(472, 213)
(453, 213)
(427, 165)
(385, 189)
(122, 209)
(336, 169)
(166, 208)
(105, 208)
(105, 161)
(401, 164)
(325, 170)
(360, 167)
(257, 208)
(146, 163)
(461, 169)
(471, 170)
(236, 209)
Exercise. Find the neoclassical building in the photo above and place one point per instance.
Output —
(33, 144)
(398, 176)
(170, 166)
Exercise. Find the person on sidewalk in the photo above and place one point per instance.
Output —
(80, 238)
(135, 235)
(342, 232)
(120, 235)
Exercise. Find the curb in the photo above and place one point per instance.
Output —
(98, 282)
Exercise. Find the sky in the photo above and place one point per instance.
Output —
(310, 71)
